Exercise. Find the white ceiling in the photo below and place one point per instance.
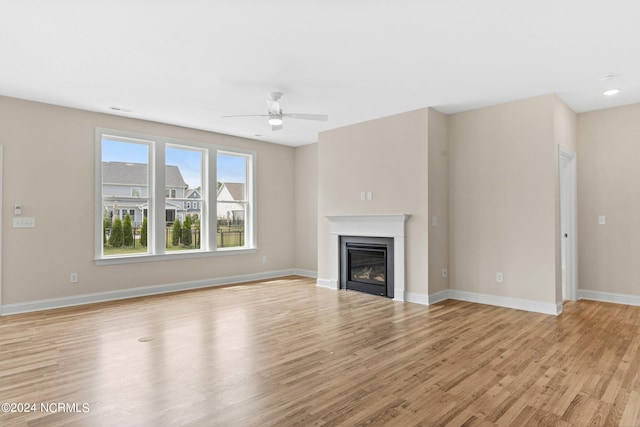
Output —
(190, 62)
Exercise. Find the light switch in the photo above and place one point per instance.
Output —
(363, 195)
(24, 222)
(434, 220)
(602, 220)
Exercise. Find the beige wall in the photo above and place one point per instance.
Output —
(389, 158)
(502, 199)
(565, 125)
(438, 201)
(489, 175)
(49, 169)
(608, 177)
(306, 199)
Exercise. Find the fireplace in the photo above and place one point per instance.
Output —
(366, 265)
(385, 225)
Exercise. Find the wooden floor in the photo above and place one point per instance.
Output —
(286, 353)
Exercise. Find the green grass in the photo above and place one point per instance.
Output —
(230, 241)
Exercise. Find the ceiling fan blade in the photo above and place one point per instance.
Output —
(276, 127)
(303, 116)
(247, 115)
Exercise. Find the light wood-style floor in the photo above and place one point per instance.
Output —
(286, 353)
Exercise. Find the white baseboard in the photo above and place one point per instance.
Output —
(439, 297)
(327, 283)
(47, 304)
(416, 298)
(507, 302)
(306, 273)
(609, 297)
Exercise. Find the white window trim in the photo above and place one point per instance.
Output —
(156, 234)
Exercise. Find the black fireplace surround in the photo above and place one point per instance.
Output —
(366, 264)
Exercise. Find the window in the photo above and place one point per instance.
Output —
(232, 199)
(183, 198)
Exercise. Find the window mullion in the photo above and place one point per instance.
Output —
(158, 201)
(211, 206)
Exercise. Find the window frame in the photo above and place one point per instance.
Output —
(156, 199)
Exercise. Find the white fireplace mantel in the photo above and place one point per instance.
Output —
(369, 226)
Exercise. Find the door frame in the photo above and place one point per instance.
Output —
(568, 205)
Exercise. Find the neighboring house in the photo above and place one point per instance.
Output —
(231, 201)
(193, 207)
(130, 181)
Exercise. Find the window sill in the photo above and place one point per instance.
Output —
(130, 259)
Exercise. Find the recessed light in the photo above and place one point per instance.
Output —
(611, 92)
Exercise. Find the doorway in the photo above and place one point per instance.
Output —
(568, 223)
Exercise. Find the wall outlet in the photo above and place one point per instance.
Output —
(73, 278)
(369, 195)
(602, 220)
(499, 277)
(363, 195)
(264, 259)
(444, 272)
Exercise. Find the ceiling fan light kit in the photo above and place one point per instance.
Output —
(275, 115)
(275, 120)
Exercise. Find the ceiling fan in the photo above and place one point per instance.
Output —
(276, 115)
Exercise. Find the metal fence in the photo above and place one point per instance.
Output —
(227, 237)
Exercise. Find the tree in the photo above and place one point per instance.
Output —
(186, 231)
(143, 233)
(177, 230)
(127, 231)
(106, 223)
(117, 234)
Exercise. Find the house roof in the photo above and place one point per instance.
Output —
(192, 193)
(125, 173)
(236, 189)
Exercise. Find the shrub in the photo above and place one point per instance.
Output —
(177, 230)
(117, 234)
(127, 231)
(143, 233)
(186, 232)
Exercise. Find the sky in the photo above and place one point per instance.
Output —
(230, 168)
